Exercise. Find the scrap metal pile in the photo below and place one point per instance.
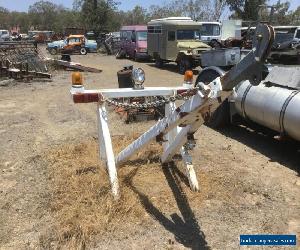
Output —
(136, 109)
(22, 60)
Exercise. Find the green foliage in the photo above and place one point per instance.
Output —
(45, 15)
(295, 17)
(96, 14)
(281, 14)
(259, 10)
(103, 15)
(246, 9)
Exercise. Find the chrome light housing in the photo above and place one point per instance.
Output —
(138, 75)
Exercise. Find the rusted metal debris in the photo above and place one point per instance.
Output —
(74, 65)
(22, 60)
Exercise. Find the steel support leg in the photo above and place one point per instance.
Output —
(190, 171)
(106, 150)
(174, 141)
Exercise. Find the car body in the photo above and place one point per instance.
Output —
(24, 36)
(72, 44)
(40, 36)
(133, 41)
(4, 35)
(176, 39)
(15, 36)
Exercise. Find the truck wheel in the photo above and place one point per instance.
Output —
(53, 51)
(221, 116)
(184, 64)
(159, 62)
(83, 51)
(135, 58)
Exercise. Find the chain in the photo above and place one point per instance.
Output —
(157, 103)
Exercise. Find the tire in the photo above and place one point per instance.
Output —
(83, 51)
(53, 51)
(66, 57)
(159, 62)
(184, 64)
(221, 117)
(135, 58)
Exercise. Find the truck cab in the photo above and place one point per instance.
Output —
(4, 35)
(133, 42)
(210, 31)
(176, 39)
(286, 33)
(286, 46)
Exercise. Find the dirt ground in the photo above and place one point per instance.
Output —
(55, 193)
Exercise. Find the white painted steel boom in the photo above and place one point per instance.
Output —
(176, 129)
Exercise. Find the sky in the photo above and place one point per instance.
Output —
(22, 5)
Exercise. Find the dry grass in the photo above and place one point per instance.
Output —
(82, 205)
(81, 202)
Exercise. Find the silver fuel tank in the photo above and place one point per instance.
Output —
(271, 105)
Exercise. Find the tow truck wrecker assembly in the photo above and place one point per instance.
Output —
(175, 131)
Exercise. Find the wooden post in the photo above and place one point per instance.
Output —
(27, 68)
(7, 67)
(21, 70)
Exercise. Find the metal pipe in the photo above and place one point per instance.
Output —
(275, 107)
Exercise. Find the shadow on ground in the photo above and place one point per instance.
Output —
(184, 226)
(286, 152)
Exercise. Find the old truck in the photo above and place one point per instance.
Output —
(210, 31)
(73, 44)
(133, 42)
(176, 39)
(286, 47)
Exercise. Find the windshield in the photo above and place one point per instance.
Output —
(188, 34)
(210, 29)
(141, 35)
(284, 35)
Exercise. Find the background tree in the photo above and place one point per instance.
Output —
(280, 14)
(4, 13)
(206, 10)
(44, 14)
(295, 17)
(103, 15)
(19, 19)
(136, 16)
(96, 14)
(245, 9)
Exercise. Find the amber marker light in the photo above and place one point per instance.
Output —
(188, 76)
(77, 83)
(188, 79)
(77, 79)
